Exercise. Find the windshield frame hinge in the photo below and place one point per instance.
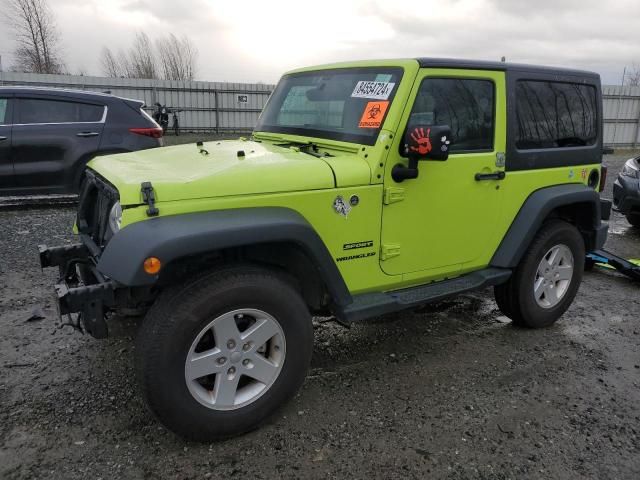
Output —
(149, 197)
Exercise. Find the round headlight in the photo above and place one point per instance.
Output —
(115, 217)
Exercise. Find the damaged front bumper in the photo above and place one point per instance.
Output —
(81, 288)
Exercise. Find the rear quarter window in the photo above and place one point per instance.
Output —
(36, 110)
(555, 115)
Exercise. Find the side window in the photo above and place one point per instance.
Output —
(89, 113)
(555, 115)
(37, 110)
(466, 106)
(3, 110)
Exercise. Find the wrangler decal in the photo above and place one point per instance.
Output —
(355, 257)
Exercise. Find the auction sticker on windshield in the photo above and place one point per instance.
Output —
(373, 115)
(373, 90)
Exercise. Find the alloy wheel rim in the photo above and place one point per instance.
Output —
(553, 276)
(235, 359)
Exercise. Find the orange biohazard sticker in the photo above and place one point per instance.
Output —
(373, 115)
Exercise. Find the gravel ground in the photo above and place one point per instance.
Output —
(444, 391)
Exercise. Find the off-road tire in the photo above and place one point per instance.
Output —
(516, 298)
(634, 219)
(174, 321)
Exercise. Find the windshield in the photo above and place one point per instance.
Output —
(342, 104)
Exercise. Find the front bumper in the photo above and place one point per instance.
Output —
(626, 195)
(81, 288)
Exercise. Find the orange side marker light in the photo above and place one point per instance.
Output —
(152, 265)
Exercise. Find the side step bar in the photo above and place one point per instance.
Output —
(369, 305)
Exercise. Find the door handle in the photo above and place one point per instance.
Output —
(490, 176)
(2, 139)
(87, 134)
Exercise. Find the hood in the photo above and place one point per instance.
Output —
(182, 172)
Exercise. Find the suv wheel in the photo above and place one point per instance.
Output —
(547, 279)
(216, 357)
(634, 219)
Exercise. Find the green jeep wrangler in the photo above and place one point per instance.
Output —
(366, 188)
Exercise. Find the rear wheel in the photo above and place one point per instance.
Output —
(547, 279)
(216, 357)
(634, 219)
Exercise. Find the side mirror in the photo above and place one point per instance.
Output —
(427, 142)
(422, 142)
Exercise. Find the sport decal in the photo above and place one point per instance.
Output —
(351, 246)
(375, 90)
(373, 115)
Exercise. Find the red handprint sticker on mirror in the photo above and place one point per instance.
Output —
(422, 142)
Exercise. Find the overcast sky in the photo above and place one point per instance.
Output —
(249, 41)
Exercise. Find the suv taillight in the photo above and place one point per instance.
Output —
(603, 177)
(155, 132)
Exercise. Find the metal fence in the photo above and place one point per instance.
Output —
(234, 107)
(204, 106)
(621, 116)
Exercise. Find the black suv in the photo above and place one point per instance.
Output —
(47, 136)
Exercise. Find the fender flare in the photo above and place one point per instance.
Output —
(173, 237)
(536, 209)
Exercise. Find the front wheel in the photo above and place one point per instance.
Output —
(547, 279)
(216, 357)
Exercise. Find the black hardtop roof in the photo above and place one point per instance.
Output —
(427, 62)
(63, 92)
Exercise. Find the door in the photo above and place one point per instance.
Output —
(6, 166)
(50, 136)
(444, 221)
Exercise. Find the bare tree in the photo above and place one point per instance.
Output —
(111, 66)
(172, 58)
(633, 77)
(38, 41)
(141, 58)
(178, 57)
(139, 61)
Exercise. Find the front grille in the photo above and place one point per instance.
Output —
(97, 196)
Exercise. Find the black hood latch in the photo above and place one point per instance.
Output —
(149, 198)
